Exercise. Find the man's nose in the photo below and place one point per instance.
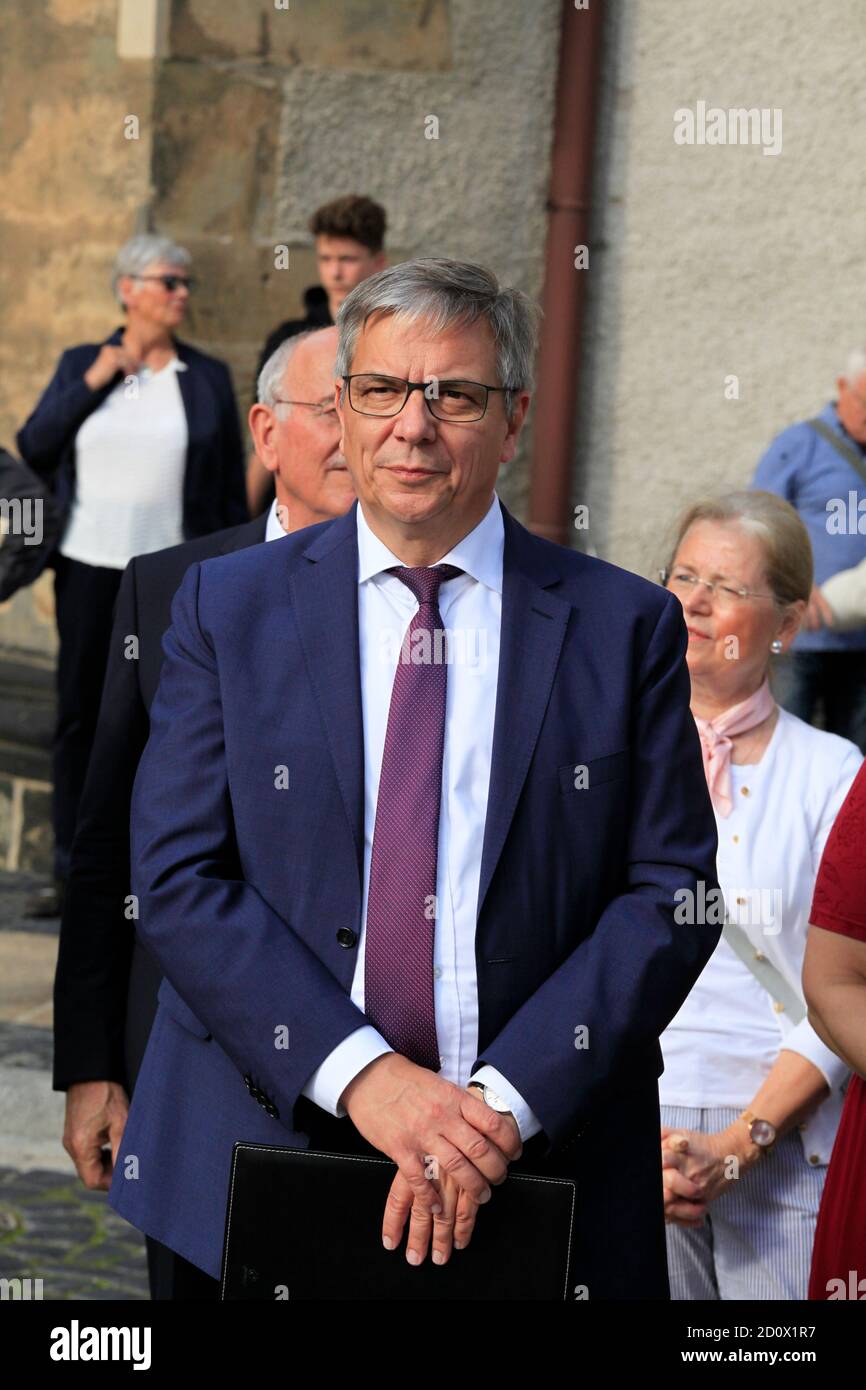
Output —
(415, 420)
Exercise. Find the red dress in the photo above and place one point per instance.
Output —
(839, 904)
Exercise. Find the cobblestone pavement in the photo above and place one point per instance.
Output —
(51, 1227)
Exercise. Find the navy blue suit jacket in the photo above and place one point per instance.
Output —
(214, 487)
(250, 892)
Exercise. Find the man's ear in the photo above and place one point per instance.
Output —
(261, 426)
(515, 425)
(338, 402)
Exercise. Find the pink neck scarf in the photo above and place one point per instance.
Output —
(716, 744)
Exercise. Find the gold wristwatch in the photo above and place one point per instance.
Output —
(761, 1132)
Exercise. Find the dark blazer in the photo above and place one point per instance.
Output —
(106, 981)
(250, 893)
(214, 487)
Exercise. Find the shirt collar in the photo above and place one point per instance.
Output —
(479, 554)
(174, 364)
(177, 362)
(273, 528)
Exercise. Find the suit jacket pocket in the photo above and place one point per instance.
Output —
(180, 1012)
(583, 776)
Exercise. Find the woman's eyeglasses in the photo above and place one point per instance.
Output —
(682, 582)
(171, 282)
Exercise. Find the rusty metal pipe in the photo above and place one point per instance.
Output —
(569, 206)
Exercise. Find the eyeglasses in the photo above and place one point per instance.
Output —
(371, 394)
(322, 411)
(683, 583)
(171, 282)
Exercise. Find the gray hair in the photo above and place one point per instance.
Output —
(785, 540)
(270, 378)
(448, 293)
(855, 365)
(139, 252)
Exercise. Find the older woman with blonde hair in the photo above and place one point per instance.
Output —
(751, 1095)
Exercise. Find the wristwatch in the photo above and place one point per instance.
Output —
(761, 1132)
(490, 1097)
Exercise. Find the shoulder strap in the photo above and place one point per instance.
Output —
(842, 447)
(764, 972)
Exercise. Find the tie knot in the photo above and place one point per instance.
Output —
(424, 582)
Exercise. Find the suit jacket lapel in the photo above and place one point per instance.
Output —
(534, 621)
(324, 590)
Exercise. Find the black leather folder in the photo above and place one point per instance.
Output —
(305, 1225)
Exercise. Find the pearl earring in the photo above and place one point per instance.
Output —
(776, 646)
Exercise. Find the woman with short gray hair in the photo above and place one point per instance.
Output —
(750, 1095)
(140, 437)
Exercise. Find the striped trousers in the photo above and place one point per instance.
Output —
(756, 1240)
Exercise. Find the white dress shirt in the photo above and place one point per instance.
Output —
(471, 610)
(130, 461)
(726, 1037)
(273, 526)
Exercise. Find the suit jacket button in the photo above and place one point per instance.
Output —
(347, 938)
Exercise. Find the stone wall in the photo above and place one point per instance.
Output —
(250, 116)
(73, 189)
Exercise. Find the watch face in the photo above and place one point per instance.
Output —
(763, 1133)
(495, 1102)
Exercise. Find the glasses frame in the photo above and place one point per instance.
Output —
(421, 386)
(188, 281)
(665, 575)
(322, 410)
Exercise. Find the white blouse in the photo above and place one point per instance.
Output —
(130, 461)
(728, 1033)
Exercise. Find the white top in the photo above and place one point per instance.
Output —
(273, 526)
(130, 460)
(471, 609)
(727, 1035)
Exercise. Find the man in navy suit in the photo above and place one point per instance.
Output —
(422, 794)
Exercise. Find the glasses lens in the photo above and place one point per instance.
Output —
(458, 400)
(377, 395)
(682, 583)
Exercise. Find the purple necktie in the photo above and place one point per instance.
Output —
(398, 958)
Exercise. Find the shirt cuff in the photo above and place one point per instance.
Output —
(804, 1040)
(526, 1121)
(351, 1056)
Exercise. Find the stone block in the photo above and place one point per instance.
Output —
(410, 35)
(213, 155)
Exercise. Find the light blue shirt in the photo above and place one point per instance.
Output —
(808, 472)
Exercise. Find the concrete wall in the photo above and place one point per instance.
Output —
(716, 260)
